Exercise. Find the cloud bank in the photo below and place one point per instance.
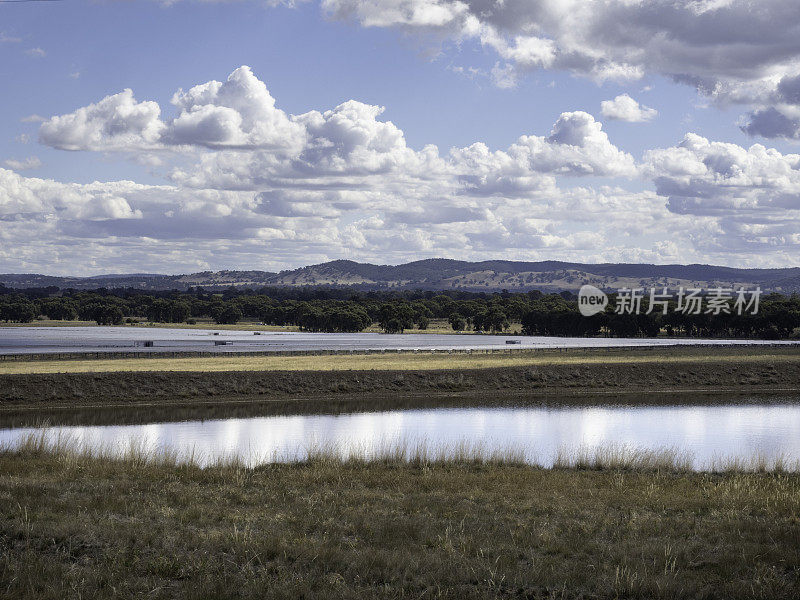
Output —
(250, 185)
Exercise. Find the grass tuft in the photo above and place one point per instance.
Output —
(621, 457)
(759, 463)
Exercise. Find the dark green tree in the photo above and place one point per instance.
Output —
(229, 315)
(456, 322)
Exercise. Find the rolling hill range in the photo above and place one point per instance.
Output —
(443, 274)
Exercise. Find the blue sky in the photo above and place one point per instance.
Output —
(434, 76)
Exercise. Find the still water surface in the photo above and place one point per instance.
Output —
(26, 340)
(707, 433)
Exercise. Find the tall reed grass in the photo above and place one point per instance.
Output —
(400, 451)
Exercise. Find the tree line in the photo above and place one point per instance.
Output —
(333, 311)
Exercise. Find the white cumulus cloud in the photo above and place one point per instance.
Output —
(117, 122)
(625, 108)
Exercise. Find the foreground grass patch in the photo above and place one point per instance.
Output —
(71, 526)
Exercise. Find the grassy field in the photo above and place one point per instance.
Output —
(49, 323)
(200, 324)
(435, 326)
(391, 361)
(78, 527)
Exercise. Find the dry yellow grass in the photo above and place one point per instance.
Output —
(421, 361)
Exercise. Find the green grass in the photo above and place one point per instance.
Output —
(50, 323)
(143, 323)
(443, 326)
(73, 526)
(435, 326)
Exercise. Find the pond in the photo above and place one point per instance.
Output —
(707, 434)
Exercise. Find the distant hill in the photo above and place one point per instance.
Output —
(442, 274)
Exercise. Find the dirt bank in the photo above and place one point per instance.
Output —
(76, 389)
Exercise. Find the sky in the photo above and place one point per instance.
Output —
(173, 137)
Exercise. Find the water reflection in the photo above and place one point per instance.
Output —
(706, 432)
(199, 409)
